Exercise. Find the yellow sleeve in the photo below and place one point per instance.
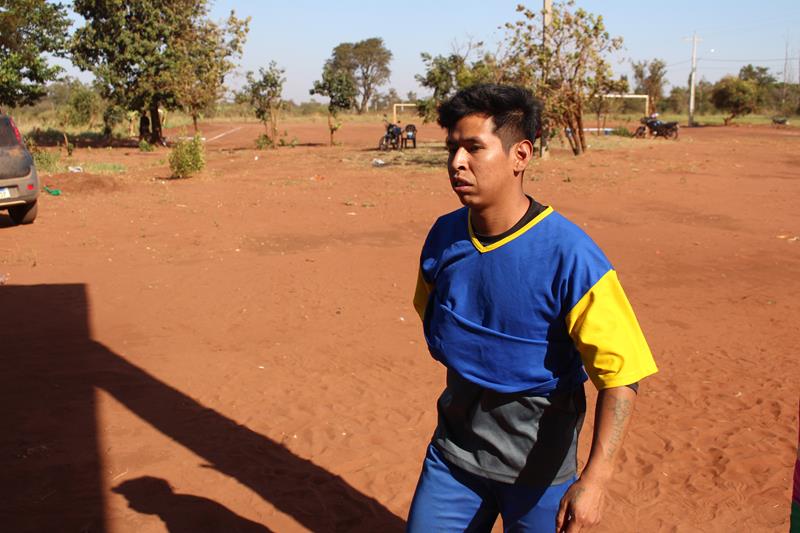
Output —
(421, 295)
(605, 331)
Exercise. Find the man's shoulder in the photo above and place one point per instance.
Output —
(452, 218)
(449, 222)
(564, 231)
(569, 240)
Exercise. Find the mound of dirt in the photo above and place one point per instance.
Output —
(81, 183)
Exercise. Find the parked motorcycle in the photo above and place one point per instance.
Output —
(656, 128)
(391, 139)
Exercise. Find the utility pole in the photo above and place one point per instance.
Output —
(693, 78)
(547, 16)
(785, 76)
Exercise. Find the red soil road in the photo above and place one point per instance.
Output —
(247, 335)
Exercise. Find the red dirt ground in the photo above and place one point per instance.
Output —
(247, 335)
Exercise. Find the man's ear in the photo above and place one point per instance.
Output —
(523, 153)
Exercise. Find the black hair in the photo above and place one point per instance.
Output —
(515, 112)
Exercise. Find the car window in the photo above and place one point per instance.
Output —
(7, 137)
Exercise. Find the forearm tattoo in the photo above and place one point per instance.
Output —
(621, 410)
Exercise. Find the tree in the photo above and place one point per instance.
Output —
(141, 50)
(31, 30)
(85, 105)
(677, 101)
(762, 78)
(383, 101)
(265, 97)
(367, 65)
(203, 59)
(566, 68)
(340, 90)
(602, 86)
(760, 75)
(445, 75)
(735, 96)
(650, 78)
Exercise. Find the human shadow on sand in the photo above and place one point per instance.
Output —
(183, 513)
(50, 461)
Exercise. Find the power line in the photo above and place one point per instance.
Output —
(679, 63)
(744, 60)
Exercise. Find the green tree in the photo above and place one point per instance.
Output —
(602, 85)
(764, 82)
(445, 75)
(30, 30)
(265, 97)
(566, 69)
(338, 87)
(677, 101)
(85, 105)
(650, 77)
(204, 57)
(735, 96)
(366, 63)
(139, 50)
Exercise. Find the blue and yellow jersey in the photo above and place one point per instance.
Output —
(530, 312)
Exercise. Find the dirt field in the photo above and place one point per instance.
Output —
(247, 335)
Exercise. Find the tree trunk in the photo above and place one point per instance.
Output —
(597, 133)
(362, 106)
(330, 127)
(155, 123)
(194, 123)
(572, 136)
(581, 136)
(727, 120)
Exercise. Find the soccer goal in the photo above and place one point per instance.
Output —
(401, 106)
(632, 97)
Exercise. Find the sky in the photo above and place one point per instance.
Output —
(300, 35)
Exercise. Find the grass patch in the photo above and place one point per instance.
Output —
(45, 161)
(103, 168)
(602, 143)
(50, 163)
(706, 120)
(426, 156)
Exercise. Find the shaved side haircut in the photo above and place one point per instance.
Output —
(515, 112)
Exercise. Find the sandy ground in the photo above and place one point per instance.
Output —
(239, 349)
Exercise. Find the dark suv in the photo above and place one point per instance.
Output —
(19, 184)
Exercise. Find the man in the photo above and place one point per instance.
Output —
(519, 304)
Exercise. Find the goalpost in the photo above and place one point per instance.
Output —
(401, 106)
(633, 96)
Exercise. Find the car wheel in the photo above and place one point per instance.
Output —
(23, 214)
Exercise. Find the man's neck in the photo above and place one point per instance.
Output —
(498, 218)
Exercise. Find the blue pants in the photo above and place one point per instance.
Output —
(449, 498)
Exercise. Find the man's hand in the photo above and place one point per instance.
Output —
(581, 507)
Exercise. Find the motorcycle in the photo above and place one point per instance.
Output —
(656, 128)
(391, 139)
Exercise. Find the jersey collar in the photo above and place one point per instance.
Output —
(495, 245)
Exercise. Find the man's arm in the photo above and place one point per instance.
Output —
(582, 504)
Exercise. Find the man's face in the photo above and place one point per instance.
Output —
(480, 168)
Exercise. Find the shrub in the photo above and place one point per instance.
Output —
(735, 96)
(264, 141)
(45, 161)
(187, 158)
(622, 131)
(145, 146)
